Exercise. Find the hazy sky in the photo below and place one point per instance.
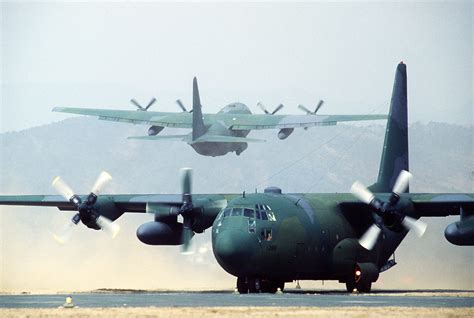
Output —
(103, 54)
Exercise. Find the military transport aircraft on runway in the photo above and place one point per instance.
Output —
(267, 239)
(221, 133)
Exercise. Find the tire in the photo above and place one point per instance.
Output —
(364, 287)
(350, 286)
(281, 285)
(255, 285)
(242, 286)
(269, 287)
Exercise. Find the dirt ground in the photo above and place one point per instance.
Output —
(230, 312)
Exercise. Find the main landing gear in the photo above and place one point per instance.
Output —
(362, 287)
(247, 285)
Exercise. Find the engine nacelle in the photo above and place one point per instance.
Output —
(461, 232)
(285, 132)
(155, 130)
(160, 233)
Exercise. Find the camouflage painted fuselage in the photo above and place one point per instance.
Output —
(313, 236)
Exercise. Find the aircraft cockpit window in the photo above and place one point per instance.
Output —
(250, 213)
(236, 212)
(267, 234)
(263, 215)
(271, 216)
(227, 212)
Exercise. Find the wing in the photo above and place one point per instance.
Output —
(424, 204)
(215, 138)
(132, 203)
(164, 119)
(232, 121)
(442, 204)
(257, 121)
(161, 137)
(125, 203)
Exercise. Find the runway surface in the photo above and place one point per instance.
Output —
(435, 299)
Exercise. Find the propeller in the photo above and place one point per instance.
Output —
(87, 213)
(181, 105)
(276, 110)
(309, 112)
(388, 212)
(140, 107)
(187, 208)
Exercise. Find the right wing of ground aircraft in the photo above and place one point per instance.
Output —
(98, 211)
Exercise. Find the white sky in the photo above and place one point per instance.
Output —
(103, 54)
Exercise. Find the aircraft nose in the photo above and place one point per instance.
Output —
(233, 249)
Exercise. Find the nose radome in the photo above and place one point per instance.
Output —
(233, 248)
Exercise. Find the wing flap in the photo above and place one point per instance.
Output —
(225, 139)
(163, 137)
(249, 122)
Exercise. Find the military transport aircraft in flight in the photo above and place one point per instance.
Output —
(221, 133)
(267, 239)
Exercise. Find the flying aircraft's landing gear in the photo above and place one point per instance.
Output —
(256, 285)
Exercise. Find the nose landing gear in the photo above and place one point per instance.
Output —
(247, 285)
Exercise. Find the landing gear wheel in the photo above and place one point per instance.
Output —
(281, 285)
(350, 286)
(242, 286)
(255, 285)
(364, 287)
(269, 287)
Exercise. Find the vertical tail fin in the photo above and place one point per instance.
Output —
(198, 123)
(395, 148)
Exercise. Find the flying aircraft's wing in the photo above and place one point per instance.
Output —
(177, 120)
(232, 121)
(214, 138)
(257, 121)
(160, 137)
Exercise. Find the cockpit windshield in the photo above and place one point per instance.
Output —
(262, 212)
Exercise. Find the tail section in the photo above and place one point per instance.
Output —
(395, 149)
(198, 123)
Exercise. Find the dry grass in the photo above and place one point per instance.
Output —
(230, 312)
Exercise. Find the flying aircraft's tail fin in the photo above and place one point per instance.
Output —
(198, 123)
(395, 149)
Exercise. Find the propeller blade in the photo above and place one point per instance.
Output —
(102, 180)
(62, 188)
(108, 226)
(369, 238)
(187, 236)
(186, 179)
(417, 226)
(134, 102)
(401, 184)
(152, 101)
(362, 193)
(65, 234)
(181, 105)
(321, 102)
(306, 110)
(279, 107)
(263, 108)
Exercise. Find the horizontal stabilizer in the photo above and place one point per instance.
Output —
(225, 139)
(163, 137)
